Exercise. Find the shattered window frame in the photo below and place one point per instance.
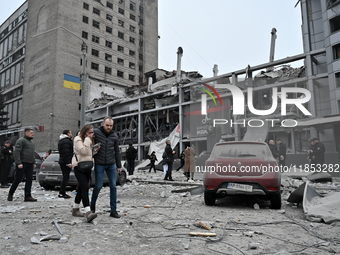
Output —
(132, 65)
(132, 40)
(108, 57)
(121, 35)
(109, 17)
(109, 5)
(120, 61)
(95, 52)
(120, 23)
(96, 24)
(95, 39)
(109, 29)
(120, 74)
(132, 6)
(132, 29)
(132, 53)
(120, 48)
(108, 44)
(132, 17)
(131, 77)
(108, 70)
(94, 66)
(96, 11)
(121, 11)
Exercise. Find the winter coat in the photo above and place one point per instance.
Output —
(153, 158)
(190, 161)
(168, 151)
(109, 152)
(7, 157)
(83, 150)
(131, 153)
(282, 150)
(24, 151)
(65, 148)
(274, 150)
(319, 153)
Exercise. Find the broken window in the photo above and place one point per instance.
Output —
(337, 79)
(336, 51)
(109, 29)
(108, 44)
(121, 35)
(132, 65)
(109, 17)
(96, 11)
(132, 6)
(108, 57)
(141, 21)
(94, 66)
(95, 24)
(86, 19)
(95, 53)
(108, 70)
(132, 40)
(120, 23)
(120, 48)
(84, 35)
(335, 24)
(121, 11)
(120, 74)
(141, 32)
(109, 5)
(132, 53)
(121, 1)
(133, 17)
(120, 61)
(131, 77)
(95, 39)
(132, 29)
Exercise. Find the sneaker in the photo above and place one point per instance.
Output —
(90, 216)
(10, 197)
(114, 215)
(30, 199)
(77, 213)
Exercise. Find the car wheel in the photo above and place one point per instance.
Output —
(209, 198)
(275, 201)
(121, 178)
(46, 186)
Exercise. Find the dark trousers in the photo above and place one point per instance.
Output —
(131, 166)
(182, 164)
(5, 169)
(152, 166)
(169, 172)
(83, 189)
(66, 176)
(27, 170)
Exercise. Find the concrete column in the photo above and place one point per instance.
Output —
(140, 129)
(180, 117)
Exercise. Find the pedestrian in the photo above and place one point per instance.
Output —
(153, 159)
(65, 148)
(82, 147)
(165, 164)
(131, 154)
(182, 158)
(190, 162)
(318, 153)
(274, 150)
(6, 163)
(25, 163)
(169, 160)
(108, 158)
(310, 152)
(282, 152)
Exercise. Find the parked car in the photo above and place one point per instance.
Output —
(242, 168)
(38, 161)
(50, 174)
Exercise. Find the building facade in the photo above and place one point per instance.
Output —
(121, 38)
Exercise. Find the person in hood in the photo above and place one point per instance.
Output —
(108, 159)
(65, 148)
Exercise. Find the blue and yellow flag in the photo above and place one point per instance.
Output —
(71, 82)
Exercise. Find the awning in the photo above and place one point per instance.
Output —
(318, 121)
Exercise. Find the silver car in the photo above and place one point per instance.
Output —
(50, 174)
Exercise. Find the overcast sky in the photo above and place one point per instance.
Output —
(229, 33)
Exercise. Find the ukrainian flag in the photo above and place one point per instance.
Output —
(71, 82)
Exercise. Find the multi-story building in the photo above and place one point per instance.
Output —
(121, 38)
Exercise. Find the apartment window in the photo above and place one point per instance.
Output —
(95, 53)
(141, 44)
(121, 11)
(86, 6)
(86, 19)
(95, 39)
(132, 29)
(109, 5)
(131, 77)
(120, 61)
(108, 57)
(84, 35)
(109, 17)
(335, 24)
(133, 17)
(108, 44)
(140, 32)
(132, 6)
(337, 80)
(132, 65)
(94, 66)
(121, 23)
(120, 74)
(141, 9)
(141, 56)
(140, 68)
(121, 1)
(109, 29)
(95, 24)
(141, 21)
(336, 51)
(121, 35)
(96, 11)
(120, 48)
(108, 70)
(132, 40)
(132, 53)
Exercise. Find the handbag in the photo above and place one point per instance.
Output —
(84, 166)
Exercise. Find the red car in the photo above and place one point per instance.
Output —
(242, 168)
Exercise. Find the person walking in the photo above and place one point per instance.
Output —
(25, 163)
(318, 153)
(282, 152)
(190, 162)
(131, 154)
(6, 163)
(83, 152)
(169, 159)
(108, 158)
(65, 148)
(153, 159)
(274, 150)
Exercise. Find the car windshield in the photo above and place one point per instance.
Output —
(239, 150)
(52, 157)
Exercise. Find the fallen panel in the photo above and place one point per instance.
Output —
(297, 195)
(320, 177)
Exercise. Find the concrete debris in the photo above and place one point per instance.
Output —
(34, 240)
(320, 177)
(282, 211)
(297, 195)
(284, 252)
(163, 194)
(186, 246)
(42, 233)
(50, 237)
(26, 221)
(256, 206)
(253, 246)
(248, 233)
(11, 209)
(64, 239)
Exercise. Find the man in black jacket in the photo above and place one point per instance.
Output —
(65, 148)
(273, 149)
(282, 152)
(318, 153)
(107, 159)
(170, 159)
(6, 163)
(131, 154)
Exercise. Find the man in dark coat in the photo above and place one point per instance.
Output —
(131, 154)
(282, 152)
(318, 153)
(6, 163)
(310, 152)
(170, 159)
(65, 148)
(108, 159)
(273, 149)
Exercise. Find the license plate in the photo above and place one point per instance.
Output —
(51, 177)
(242, 187)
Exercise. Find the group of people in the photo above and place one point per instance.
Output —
(106, 158)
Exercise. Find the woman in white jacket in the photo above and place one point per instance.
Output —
(83, 144)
